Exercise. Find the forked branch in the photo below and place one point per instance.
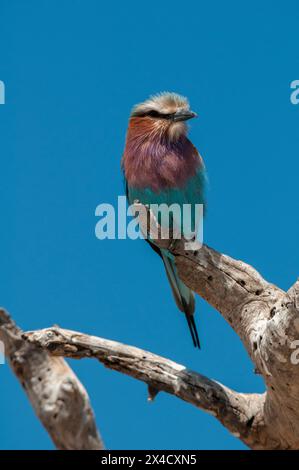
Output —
(265, 318)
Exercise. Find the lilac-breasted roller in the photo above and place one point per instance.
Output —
(162, 166)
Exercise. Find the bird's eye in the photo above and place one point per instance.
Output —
(154, 113)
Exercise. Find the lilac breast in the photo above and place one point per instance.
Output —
(158, 163)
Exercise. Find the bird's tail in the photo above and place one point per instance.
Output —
(184, 297)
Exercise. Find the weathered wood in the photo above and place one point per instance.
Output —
(56, 394)
(265, 318)
(234, 410)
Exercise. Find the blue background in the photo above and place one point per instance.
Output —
(73, 69)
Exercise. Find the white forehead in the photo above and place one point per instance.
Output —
(163, 102)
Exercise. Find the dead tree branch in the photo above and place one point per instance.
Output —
(265, 318)
(56, 394)
(234, 410)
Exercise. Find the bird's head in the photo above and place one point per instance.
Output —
(165, 114)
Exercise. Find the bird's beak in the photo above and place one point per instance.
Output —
(184, 115)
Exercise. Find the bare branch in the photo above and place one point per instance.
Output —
(266, 320)
(235, 411)
(233, 287)
(57, 396)
(265, 317)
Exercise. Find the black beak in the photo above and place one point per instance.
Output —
(184, 115)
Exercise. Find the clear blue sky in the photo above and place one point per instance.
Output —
(72, 71)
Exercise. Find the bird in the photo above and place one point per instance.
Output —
(160, 165)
